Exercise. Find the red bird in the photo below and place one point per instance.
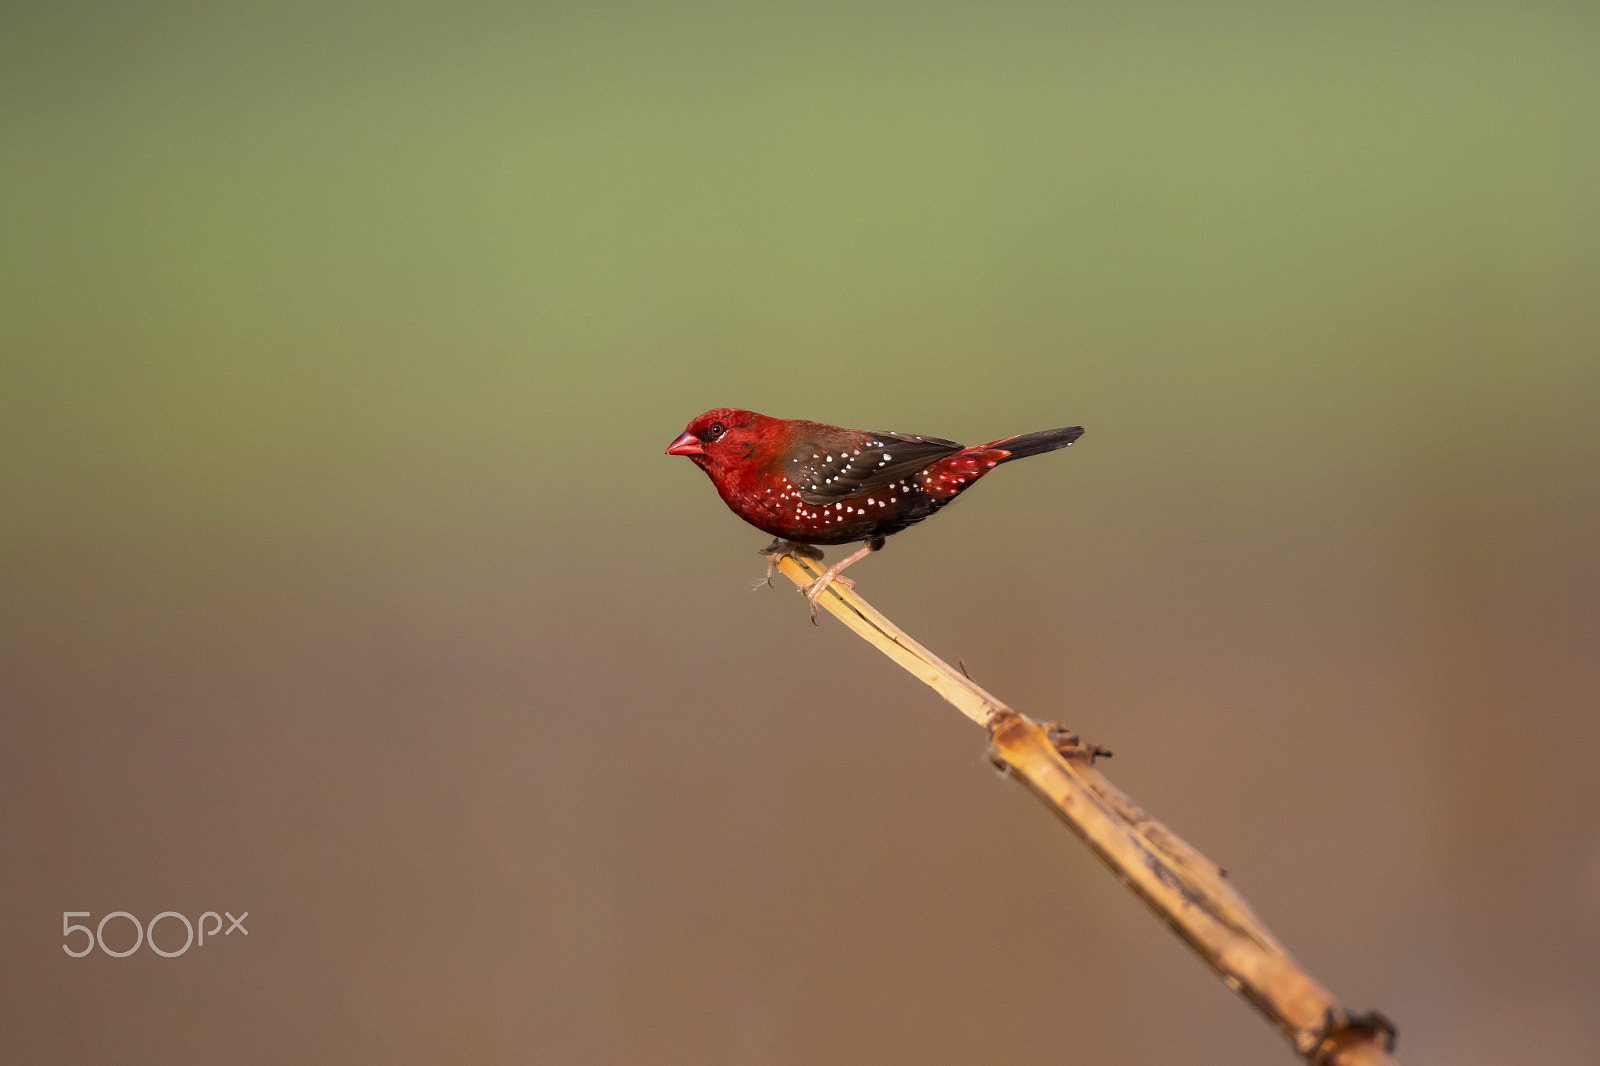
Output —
(808, 483)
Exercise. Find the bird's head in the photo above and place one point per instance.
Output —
(720, 439)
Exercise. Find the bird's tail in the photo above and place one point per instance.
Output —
(1037, 443)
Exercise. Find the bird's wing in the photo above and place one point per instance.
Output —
(825, 476)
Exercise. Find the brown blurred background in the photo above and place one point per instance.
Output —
(343, 581)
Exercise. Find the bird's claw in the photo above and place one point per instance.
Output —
(775, 553)
(816, 587)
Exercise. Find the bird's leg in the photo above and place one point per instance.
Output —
(815, 588)
(780, 547)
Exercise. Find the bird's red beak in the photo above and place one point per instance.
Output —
(688, 444)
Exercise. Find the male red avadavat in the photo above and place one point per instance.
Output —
(807, 483)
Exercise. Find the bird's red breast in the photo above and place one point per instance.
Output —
(820, 484)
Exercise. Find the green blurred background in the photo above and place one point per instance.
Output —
(343, 581)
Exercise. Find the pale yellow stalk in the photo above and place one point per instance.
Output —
(1185, 889)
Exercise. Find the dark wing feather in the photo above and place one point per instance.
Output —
(873, 463)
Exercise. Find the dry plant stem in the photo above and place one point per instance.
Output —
(1184, 888)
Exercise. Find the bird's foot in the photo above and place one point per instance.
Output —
(779, 548)
(815, 588)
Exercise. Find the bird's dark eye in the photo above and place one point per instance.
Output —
(713, 431)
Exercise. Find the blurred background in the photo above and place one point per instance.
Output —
(343, 580)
